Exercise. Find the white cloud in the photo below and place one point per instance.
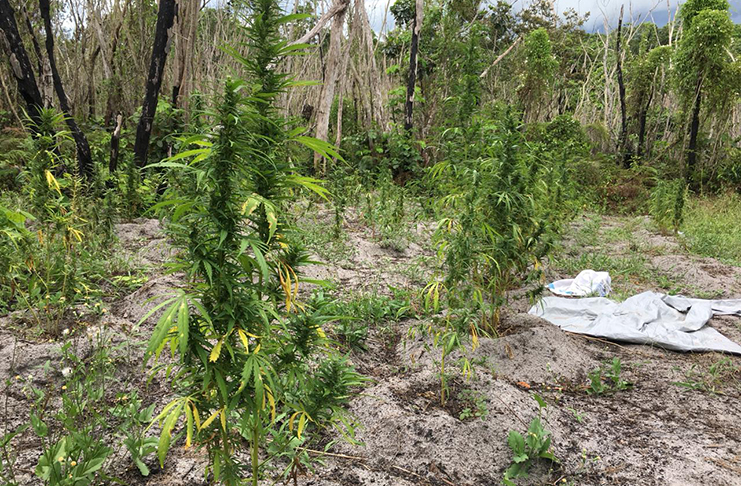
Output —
(639, 10)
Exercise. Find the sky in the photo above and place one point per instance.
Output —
(599, 9)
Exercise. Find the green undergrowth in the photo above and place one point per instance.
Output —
(711, 227)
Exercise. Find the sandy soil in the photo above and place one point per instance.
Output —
(654, 433)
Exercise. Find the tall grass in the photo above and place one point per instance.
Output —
(712, 227)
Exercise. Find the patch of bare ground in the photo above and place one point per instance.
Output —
(677, 424)
(672, 427)
(362, 260)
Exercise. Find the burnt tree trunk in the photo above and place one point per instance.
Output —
(84, 157)
(45, 82)
(623, 152)
(694, 130)
(20, 64)
(642, 119)
(413, 63)
(91, 98)
(115, 93)
(162, 37)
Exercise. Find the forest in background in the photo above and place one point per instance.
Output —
(266, 203)
(664, 97)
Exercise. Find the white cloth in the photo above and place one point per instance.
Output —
(671, 322)
(588, 282)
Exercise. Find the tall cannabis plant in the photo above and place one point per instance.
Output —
(491, 235)
(254, 362)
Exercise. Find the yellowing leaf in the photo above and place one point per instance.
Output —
(76, 233)
(474, 337)
(271, 399)
(243, 337)
(188, 427)
(250, 205)
(303, 418)
(210, 419)
(216, 351)
(196, 417)
(51, 181)
(272, 220)
(301, 425)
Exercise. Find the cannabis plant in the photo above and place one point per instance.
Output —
(667, 203)
(253, 361)
(491, 236)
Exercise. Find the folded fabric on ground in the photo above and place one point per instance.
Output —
(588, 282)
(671, 322)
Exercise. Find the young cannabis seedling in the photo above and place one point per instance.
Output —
(475, 405)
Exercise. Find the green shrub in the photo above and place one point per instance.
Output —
(667, 203)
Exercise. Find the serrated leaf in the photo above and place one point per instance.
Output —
(216, 351)
(210, 419)
(245, 341)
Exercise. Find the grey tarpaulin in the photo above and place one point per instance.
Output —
(671, 322)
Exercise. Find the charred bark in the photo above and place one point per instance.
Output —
(623, 151)
(165, 21)
(694, 130)
(20, 64)
(642, 119)
(84, 157)
(413, 64)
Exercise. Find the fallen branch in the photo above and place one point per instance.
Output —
(322, 453)
(501, 56)
(336, 8)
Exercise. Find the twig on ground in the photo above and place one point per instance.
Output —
(511, 410)
(724, 464)
(331, 454)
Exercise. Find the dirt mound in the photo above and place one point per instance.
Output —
(539, 354)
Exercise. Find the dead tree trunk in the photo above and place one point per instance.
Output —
(694, 130)
(115, 141)
(91, 102)
(20, 64)
(115, 92)
(368, 67)
(623, 151)
(165, 21)
(413, 63)
(187, 20)
(326, 95)
(84, 157)
(642, 119)
(45, 83)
